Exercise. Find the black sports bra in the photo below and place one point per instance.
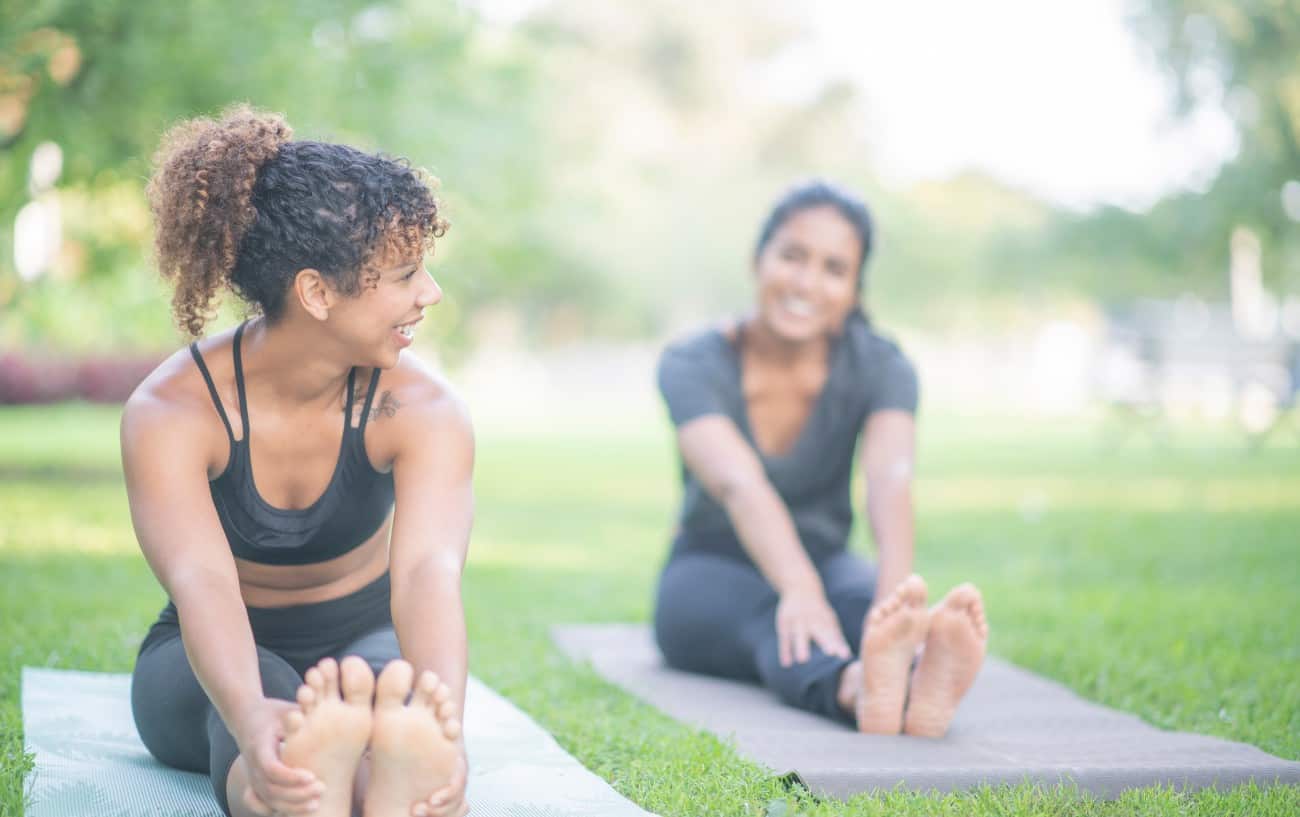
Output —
(354, 505)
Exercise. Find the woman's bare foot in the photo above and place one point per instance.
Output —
(328, 732)
(953, 653)
(413, 750)
(894, 629)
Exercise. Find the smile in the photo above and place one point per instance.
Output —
(797, 307)
(407, 330)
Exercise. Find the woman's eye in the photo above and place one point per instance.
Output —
(408, 276)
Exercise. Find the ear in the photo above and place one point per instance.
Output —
(314, 293)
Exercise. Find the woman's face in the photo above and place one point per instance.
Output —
(383, 318)
(807, 275)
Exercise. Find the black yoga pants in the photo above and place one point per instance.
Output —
(716, 614)
(174, 717)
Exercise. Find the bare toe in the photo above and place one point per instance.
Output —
(329, 671)
(426, 689)
(913, 590)
(451, 728)
(356, 680)
(394, 684)
(307, 697)
(963, 595)
(315, 680)
(293, 721)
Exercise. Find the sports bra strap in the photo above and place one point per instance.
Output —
(347, 406)
(370, 398)
(212, 389)
(239, 380)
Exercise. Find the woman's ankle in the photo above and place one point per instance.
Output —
(850, 687)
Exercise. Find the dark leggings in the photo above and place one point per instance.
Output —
(716, 614)
(174, 717)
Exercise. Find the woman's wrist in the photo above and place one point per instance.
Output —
(809, 584)
(245, 722)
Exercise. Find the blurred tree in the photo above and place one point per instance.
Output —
(607, 166)
(103, 78)
(1244, 58)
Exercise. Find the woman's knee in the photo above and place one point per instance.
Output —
(169, 706)
(279, 678)
(377, 649)
(705, 608)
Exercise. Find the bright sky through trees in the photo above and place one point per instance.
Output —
(1059, 99)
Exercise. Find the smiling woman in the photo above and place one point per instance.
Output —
(342, 560)
(769, 410)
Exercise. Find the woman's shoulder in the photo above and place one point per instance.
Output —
(703, 339)
(707, 346)
(172, 407)
(415, 390)
(415, 411)
(176, 386)
(869, 345)
(877, 364)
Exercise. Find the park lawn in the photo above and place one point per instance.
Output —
(1156, 578)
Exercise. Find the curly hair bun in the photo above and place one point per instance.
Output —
(201, 195)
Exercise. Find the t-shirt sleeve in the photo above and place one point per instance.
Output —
(893, 384)
(689, 384)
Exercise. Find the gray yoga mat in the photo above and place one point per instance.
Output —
(1012, 727)
(89, 759)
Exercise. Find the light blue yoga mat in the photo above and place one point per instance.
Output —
(89, 759)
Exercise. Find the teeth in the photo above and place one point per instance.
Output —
(407, 331)
(798, 306)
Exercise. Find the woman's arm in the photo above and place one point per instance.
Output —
(433, 477)
(433, 473)
(181, 537)
(715, 452)
(888, 457)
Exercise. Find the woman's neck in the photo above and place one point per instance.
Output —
(759, 340)
(286, 361)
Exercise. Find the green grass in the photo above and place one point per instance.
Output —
(1158, 579)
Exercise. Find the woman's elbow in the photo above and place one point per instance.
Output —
(738, 488)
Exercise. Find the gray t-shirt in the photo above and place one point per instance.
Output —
(700, 374)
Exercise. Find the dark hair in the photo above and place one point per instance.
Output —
(819, 193)
(238, 205)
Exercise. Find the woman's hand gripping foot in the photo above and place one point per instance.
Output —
(953, 653)
(417, 761)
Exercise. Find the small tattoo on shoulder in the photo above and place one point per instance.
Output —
(388, 406)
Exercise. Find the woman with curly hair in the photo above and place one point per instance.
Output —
(301, 485)
(769, 411)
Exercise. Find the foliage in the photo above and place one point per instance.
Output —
(423, 80)
(1241, 56)
(606, 166)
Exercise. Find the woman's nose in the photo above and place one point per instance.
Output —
(801, 277)
(431, 294)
